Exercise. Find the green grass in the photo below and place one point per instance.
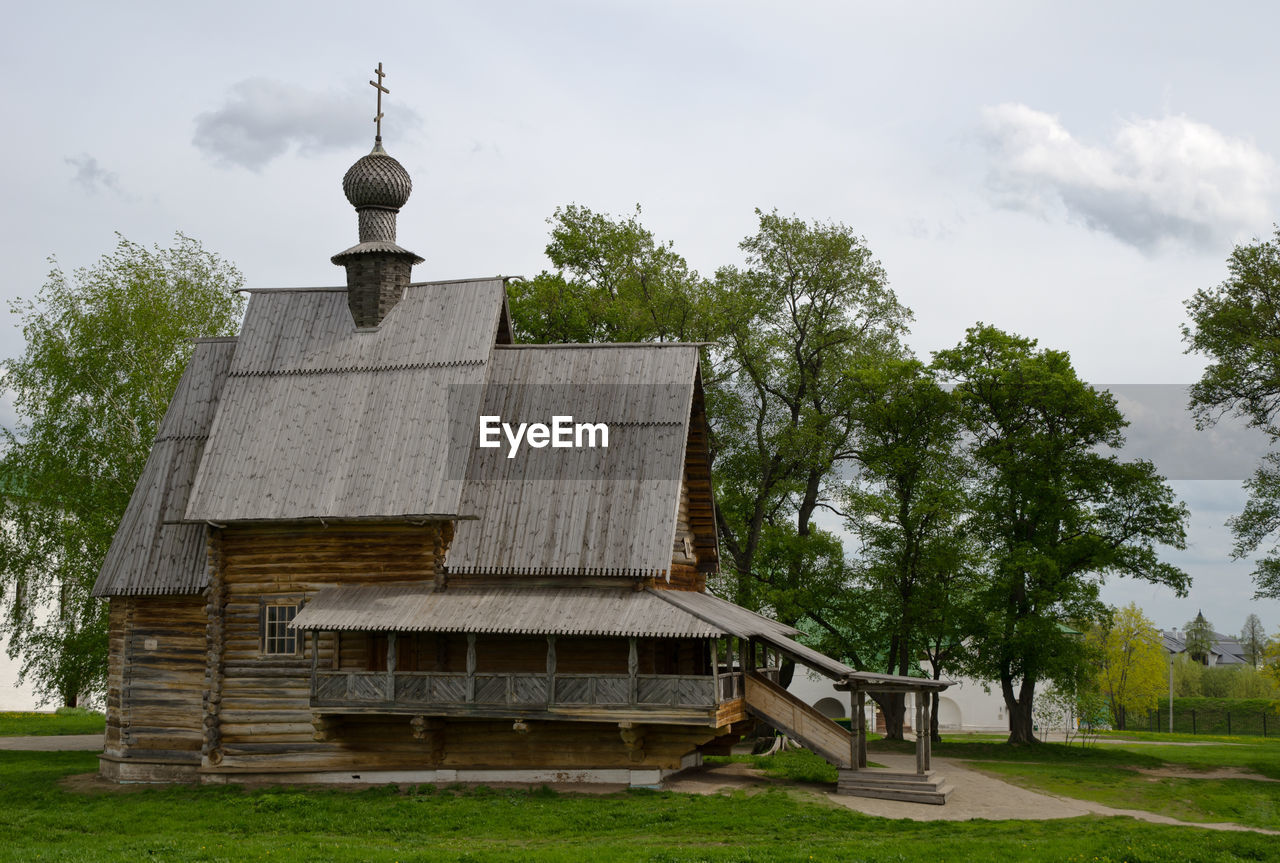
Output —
(1178, 737)
(65, 721)
(795, 765)
(42, 820)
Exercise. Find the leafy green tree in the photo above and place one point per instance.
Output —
(1253, 638)
(1054, 510)
(1131, 662)
(915, 575)
(1199, 639)
(1271, 659)
(104, 350)
(1237, 325)
(807, 312)
(613, 282)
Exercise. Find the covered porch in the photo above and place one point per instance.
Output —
(570, 654)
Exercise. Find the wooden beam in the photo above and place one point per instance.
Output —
(551, 669)
(862, 729)
(920, 737)
(391, 666)
(633, 667)
(471, 667)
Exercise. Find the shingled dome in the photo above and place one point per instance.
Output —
(377, 180)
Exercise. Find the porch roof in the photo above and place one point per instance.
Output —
(501, 610)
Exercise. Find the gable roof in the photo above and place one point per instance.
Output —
(321, 420)
(307, 417)
(595, 511)
(151, 553)
(1227, 648)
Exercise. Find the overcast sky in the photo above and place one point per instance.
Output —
(1070, 172)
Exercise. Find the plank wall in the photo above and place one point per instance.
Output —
(155, 677)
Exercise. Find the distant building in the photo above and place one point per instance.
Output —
(1225, 650)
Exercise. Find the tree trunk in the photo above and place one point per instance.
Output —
(786, 672)
(933, 718)
(893, 706)
(69, 699)
(1021, 724)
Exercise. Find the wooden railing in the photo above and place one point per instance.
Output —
(409, 689)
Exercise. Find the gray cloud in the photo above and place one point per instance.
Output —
(91, 176)
(1167, 179)
(262, 118)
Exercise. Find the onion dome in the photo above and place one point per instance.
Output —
(377, 180)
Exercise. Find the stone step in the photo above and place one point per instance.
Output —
(936, 796)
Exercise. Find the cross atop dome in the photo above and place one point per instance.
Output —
(381, 89)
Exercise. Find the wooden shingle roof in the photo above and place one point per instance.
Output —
(151, 552)
(591, 511)
(320, 420)
(499, 610)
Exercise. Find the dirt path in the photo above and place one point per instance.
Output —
(53, 742)
(976, 796)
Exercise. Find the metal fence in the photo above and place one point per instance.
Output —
(1262, 723)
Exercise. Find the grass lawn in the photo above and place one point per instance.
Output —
(42, 820)
(795, 765)
(73, 721)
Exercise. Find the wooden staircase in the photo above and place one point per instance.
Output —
(798, 720)
(927, 787)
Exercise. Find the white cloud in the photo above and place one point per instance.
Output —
(263, 118)
(1160, 179)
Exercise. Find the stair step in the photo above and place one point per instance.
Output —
(891, 783)
(876, 773)
(936, 797)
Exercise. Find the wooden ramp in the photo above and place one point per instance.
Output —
(789, 714)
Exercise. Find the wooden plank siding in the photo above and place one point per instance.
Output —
(155, 678)
(260, 705)
(259, 712)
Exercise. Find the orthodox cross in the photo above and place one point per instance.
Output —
(381, 89)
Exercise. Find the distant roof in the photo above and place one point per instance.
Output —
(605, 512)
(322, 420)
(1226, 648)
(151, 553)
(500, 610)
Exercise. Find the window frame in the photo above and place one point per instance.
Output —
(265, 637)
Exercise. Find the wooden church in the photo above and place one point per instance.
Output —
(323, 576)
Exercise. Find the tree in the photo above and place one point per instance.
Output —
(1056, 512)
(1237, 325)
(104, 350)
(613, 283)
(810, 309)
(1199, 639)
(1131, 662)
(914, 579)
(1271, 659)
(1253, 638)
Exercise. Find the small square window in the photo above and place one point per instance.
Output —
(277, 638)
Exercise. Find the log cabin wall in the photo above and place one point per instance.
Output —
(259, 715)
(259, 710)
(155, 678)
